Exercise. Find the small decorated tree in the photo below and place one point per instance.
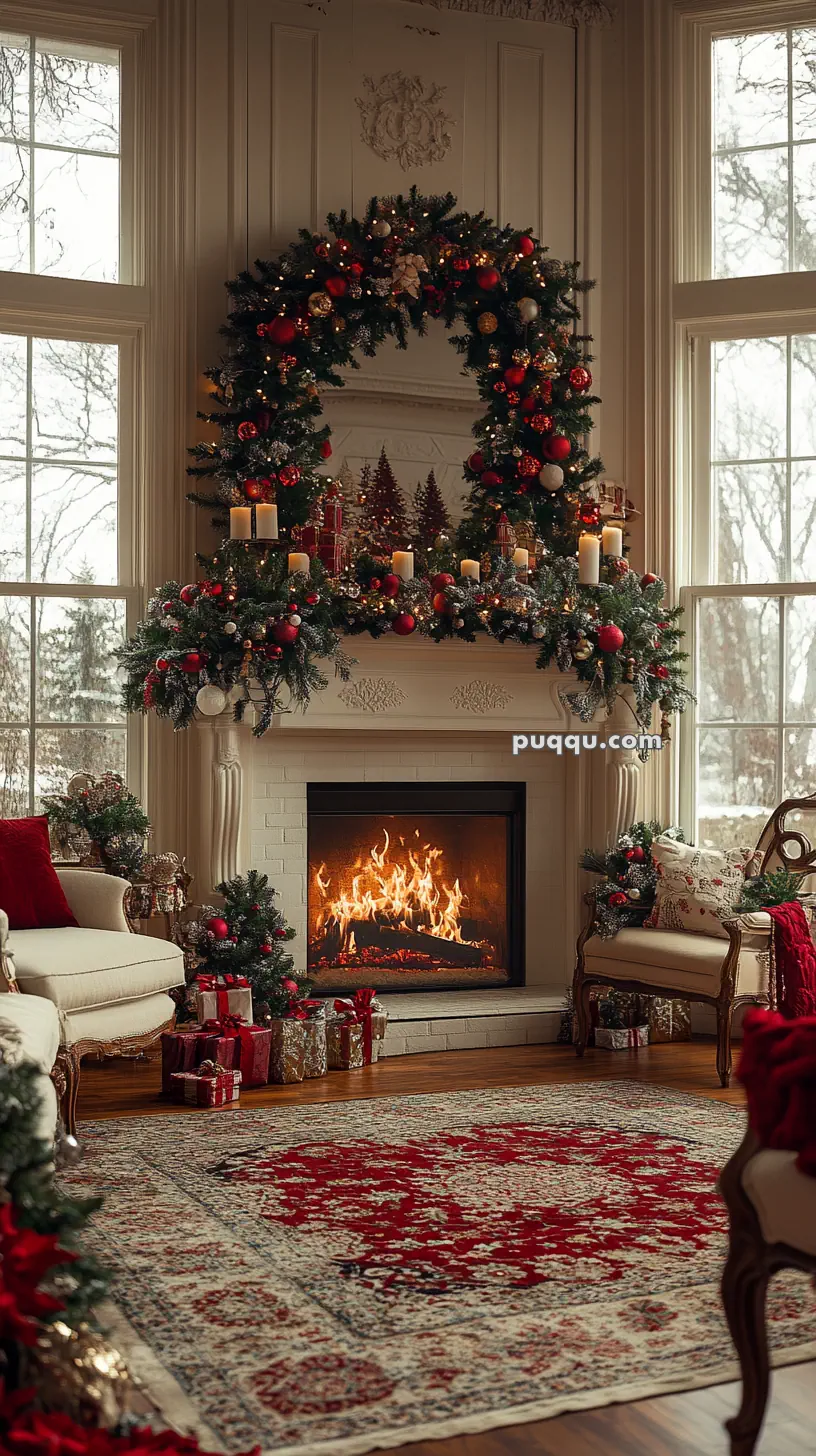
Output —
(384, 521)
(431, 517)
(348, 487)
(247, 937)
(625, 892)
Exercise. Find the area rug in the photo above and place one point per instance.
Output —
(348, 1277)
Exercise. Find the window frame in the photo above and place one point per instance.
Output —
(706, 310)
(45, 305)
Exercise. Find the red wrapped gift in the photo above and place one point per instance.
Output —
(210, 1085)
(220, 996)
(234, 1044)
(181, 1051)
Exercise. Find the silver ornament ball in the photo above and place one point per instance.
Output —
(551, 477)
(211, 700)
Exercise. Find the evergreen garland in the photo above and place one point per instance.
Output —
(778, 887)
(625, 893)
(111, 817)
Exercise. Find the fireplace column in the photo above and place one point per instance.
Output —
(222, 794)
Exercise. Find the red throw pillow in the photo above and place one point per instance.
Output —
(30, 891)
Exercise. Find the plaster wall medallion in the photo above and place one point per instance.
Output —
(372, 695)
(480, 697)
(402, 120)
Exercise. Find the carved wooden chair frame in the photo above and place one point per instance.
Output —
(796, 853)
(751, 1262)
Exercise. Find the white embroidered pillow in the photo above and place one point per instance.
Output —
(697, 888)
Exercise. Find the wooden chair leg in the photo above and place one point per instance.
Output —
(580, 1003)
(69, 1063)
(744, 1286)
(724, 1014)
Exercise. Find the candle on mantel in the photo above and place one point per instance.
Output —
(589, 559)
(521, 561)
(402, 564)
(266, 522)
(297, 561)
(471, 569)
(241, 523)
(612, 541)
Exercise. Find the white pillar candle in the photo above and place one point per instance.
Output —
(471, 569)
(298, 561)
(266, 522)
(241, 523)
(521, 558)
(612, 541)
(589, 559)
(402, 564)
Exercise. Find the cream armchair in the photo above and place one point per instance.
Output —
(698, 967)
(110, 987)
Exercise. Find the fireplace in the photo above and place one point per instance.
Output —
(415, 886)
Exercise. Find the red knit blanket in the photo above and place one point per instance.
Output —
(795, 960)
(778, 1071)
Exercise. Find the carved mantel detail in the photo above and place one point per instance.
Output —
(557, 12)
(480, 697)
(227, 803)
(402, 120)
(372, 694)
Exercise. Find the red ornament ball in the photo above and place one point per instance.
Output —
(375, 583)
(609, 637)
(356, 270)
(491, 479)
(390, 585)
(289, 475)
(461, 264)
(336, 287)
(528, 465)
(281, 330)
(556, 447)
(342, 246)
(403, 624)
(273, 653)
(638, 853)
(441, 580)
(542, 424)
(580, 378)
(216, 589)
(476, 461)
(525, 245)
(488, 278)
(189, 593)
(247, 430)
(440, 602)
(284, 633)
(617, 898)
(648, 579)
(193, 662)
(500, 387)
(217, 927)
(253, 490)
(313, 599)
(661, 671)
(515, 375)
(168, 608)
(291, 986)
(162, 664)
(321, 250)
(590, 515)
(528, 404)
(265, 949)
(325, 450)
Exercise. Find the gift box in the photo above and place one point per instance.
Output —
(669, 1020)
(287, 1061)
(236, 1045)
(379, 1022)
(210, 1085)
(181, 1051)
(365, 1010)
(618, 1039)
(220, 996)
(313, 1021)
(344, 1043)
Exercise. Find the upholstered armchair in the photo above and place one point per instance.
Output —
(721, 974)
(109, 986)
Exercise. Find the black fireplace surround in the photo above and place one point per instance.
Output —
(415, 886)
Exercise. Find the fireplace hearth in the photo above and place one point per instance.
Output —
(415, 886)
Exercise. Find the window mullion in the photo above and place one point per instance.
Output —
(32, 699)
(29, 468)
(781, 766)
(791, 236)
(32, 51)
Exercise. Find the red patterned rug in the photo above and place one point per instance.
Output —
(347, 1277)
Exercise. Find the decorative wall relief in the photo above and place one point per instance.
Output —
(402, 120)
(557, 12)
(480, 697)
(372, 695)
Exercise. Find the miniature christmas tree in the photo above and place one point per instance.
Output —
(348, 487)
(431, 517)
(385, 524)
(247, 938)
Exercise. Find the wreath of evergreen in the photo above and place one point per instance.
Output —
(294, 323)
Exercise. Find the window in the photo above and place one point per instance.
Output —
(59, 158)
(749, 402)
(67, 586)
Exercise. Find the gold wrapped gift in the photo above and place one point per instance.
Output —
(288, 1060)
(344, 1044)
(669, 1020)
(315, 1062)
(379, 1022)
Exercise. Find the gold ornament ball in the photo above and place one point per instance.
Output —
(528, 310)
(79, 1374)
(487, 323)
(320, 305)
(546, 362)
(582, 654)
(380, 228)
(522, 357)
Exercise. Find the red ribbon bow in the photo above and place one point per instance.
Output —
(357, 1010)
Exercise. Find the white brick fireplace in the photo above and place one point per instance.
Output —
(420, 712)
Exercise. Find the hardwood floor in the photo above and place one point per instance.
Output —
(671, 1425)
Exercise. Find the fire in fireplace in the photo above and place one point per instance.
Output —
(414, 886)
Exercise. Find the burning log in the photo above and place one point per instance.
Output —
(401, 942)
